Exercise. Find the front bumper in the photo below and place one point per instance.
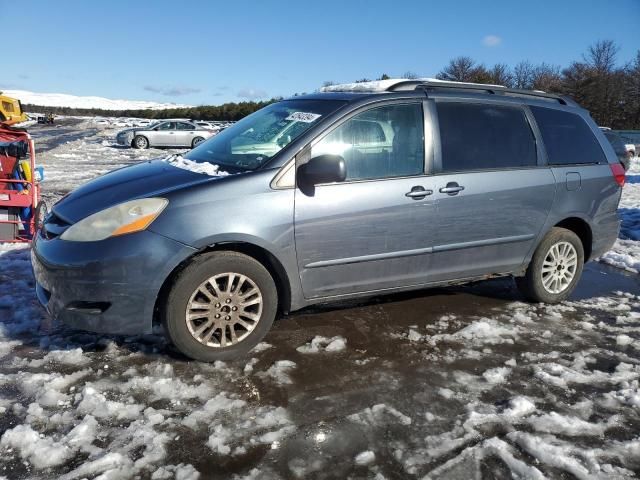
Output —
(110, 286)
(124, 139)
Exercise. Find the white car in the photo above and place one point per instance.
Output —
(164, 133)
(631, 148)
(207, 125)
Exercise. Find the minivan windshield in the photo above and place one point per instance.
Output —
(255, 139)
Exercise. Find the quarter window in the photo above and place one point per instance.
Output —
(567, 138)
(382, 142)
(479, 137)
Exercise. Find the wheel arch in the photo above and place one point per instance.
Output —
(258, 253)
(136, 135)
(583, 230)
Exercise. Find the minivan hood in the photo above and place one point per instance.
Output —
(148, 179)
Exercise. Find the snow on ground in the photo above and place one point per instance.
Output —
(73, 101)
(465, 382)
(626, 251)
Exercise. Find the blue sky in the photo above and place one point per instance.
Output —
(210, 52)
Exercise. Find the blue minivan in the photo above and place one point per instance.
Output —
(358, 190)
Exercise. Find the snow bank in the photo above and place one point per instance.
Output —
(73, 101)
(626, 251)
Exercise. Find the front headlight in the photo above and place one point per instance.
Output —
(127, 217)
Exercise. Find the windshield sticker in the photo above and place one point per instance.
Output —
(303, 117)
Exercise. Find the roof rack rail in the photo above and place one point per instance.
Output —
(490, 89)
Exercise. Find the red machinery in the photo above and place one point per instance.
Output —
(19, 186)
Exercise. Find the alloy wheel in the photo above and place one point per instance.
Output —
(224, 310)
(559, 267)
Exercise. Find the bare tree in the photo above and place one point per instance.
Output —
(523, 75)
(632, 92)
(547, 78)
(409, 75)
(602, 56)
(500, 74)
(460, 69)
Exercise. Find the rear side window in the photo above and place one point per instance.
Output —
(480, 137)
(616, 142)
(567, 138)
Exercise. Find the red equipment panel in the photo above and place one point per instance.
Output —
(17, 194)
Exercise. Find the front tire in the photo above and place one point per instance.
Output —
(220, 306)
(555, 268)
(140, 142)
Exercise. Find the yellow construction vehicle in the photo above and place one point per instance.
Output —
(11, 111)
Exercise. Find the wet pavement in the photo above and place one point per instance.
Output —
(449, 383)
(48, 137)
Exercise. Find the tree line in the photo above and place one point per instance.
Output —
(608, 89)
(228, 111)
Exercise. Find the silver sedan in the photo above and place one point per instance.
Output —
(165, 133)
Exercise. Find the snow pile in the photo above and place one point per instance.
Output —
(380, 414)
(198, 167)
(484, 331)
(279, 372)
(73, 101)
(323, 344)
(626, 251)
(234, 426)
(365, 458)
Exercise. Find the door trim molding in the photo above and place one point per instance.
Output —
(369, 258)
(420, 251)
(483, 243)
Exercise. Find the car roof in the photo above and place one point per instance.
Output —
(421, 87)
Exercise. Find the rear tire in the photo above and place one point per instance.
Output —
(220, 306)
(555, 269)
(140, 142)
(196, 141)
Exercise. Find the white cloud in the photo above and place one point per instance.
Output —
(252, 93)
(491, 41)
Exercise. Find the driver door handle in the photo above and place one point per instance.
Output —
(452, 188)
(418, 193)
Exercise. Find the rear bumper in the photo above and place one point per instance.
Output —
(109, 286)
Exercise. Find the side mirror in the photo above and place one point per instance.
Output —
(322, 169)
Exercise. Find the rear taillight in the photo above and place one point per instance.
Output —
(618, 173)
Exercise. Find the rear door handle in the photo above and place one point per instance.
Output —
(452, 188)
(418, 193)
